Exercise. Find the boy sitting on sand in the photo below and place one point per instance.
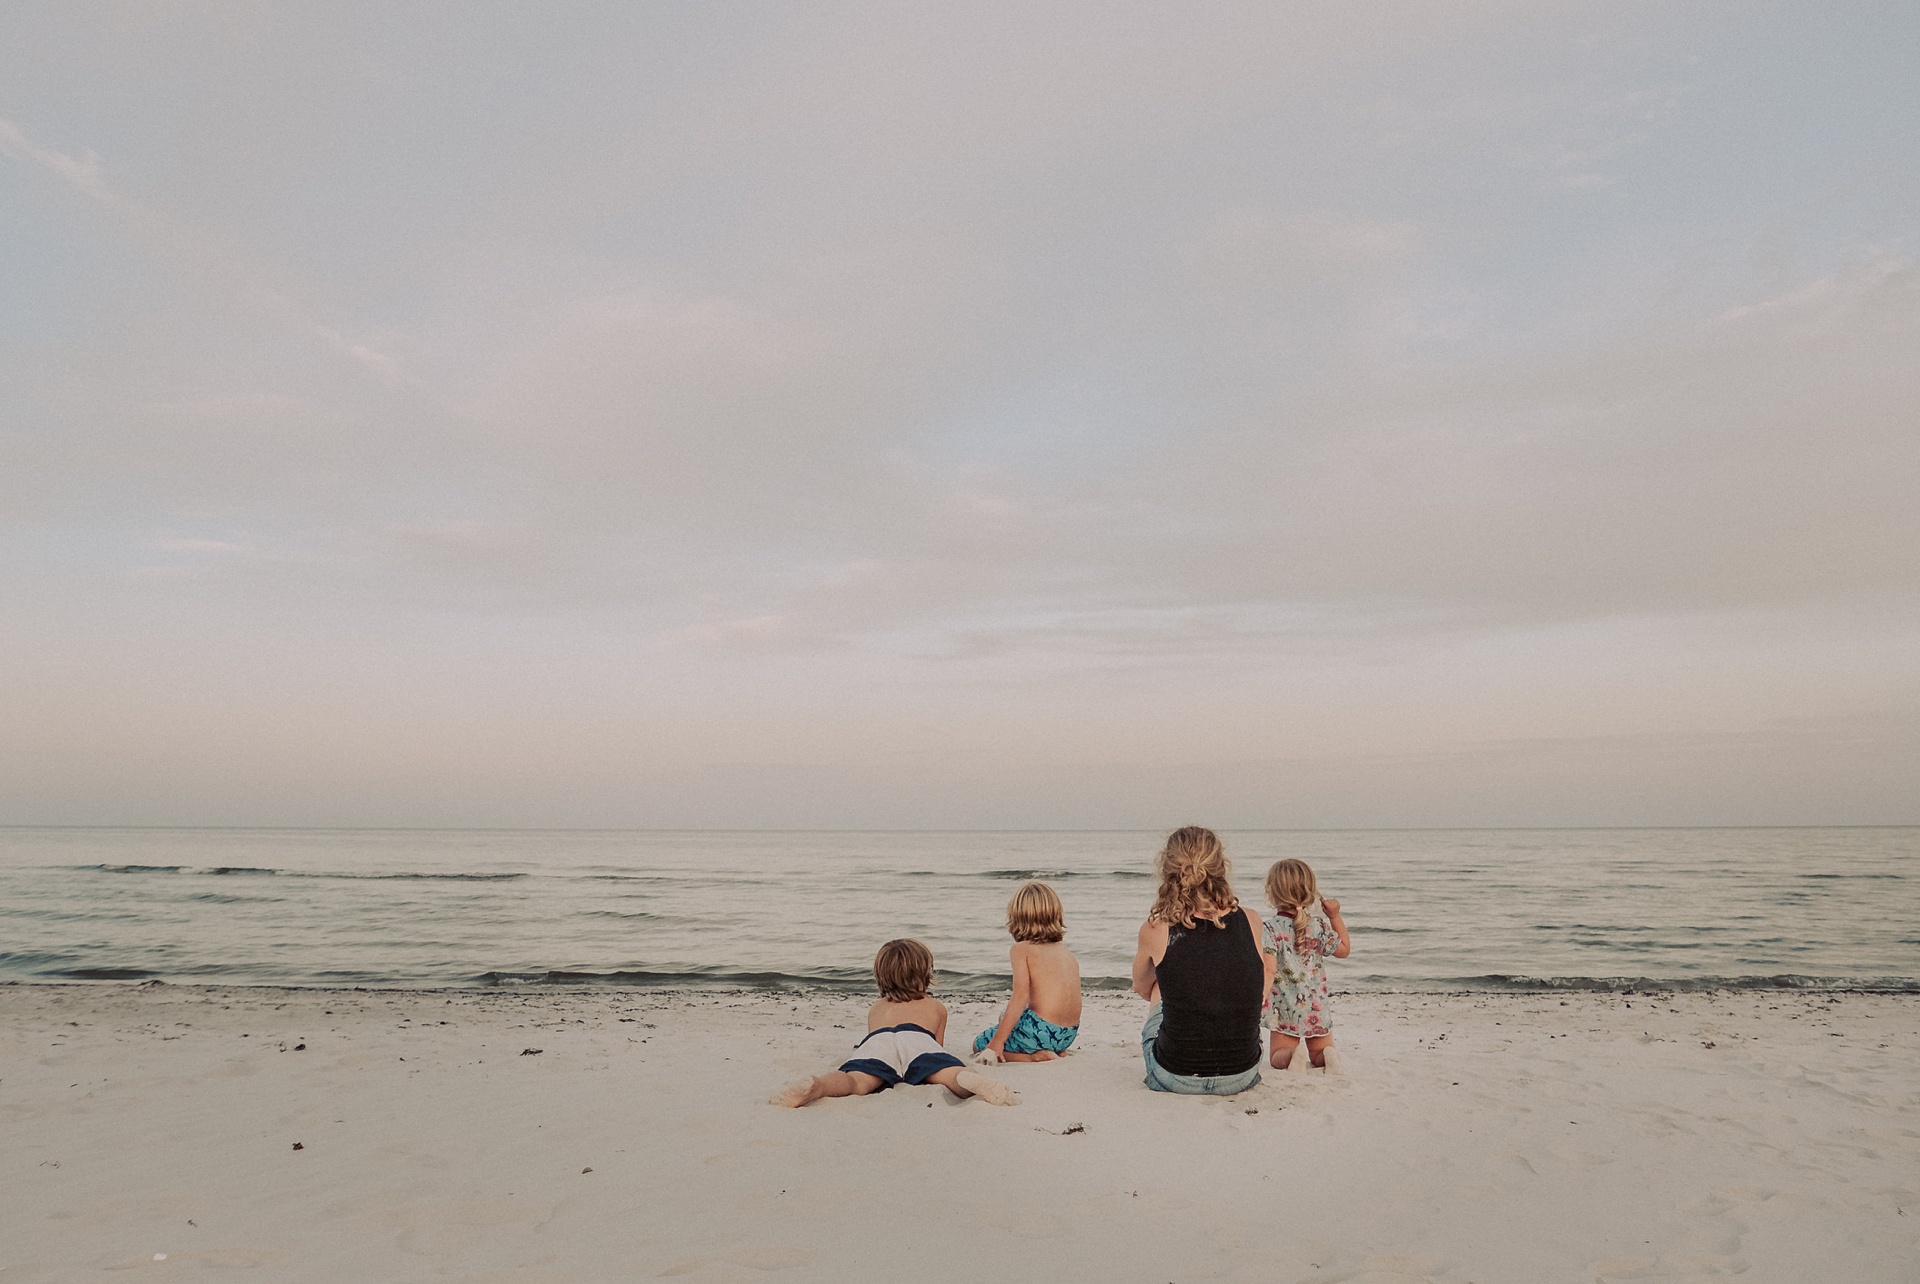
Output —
(905, 1031)
(1043, 1016)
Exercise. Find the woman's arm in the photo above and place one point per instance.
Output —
(1022, 994)
(1152, 948)
(1339, 925)
(1268, 957)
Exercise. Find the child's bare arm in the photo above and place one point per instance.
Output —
(940, 1022)
(1339, 926)
(1018, 960)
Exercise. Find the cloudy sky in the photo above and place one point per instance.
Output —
(965, 416)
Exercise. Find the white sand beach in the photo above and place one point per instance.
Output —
(184, 1132)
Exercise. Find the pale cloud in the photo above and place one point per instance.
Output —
(188, 249)
(198, 546)
(381, 364)
(82, 174)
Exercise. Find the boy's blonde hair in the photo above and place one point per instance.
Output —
(1194, 874)
(1292, 890)
(904, 970)
(1036, 914)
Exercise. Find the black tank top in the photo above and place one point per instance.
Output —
(1211, 980)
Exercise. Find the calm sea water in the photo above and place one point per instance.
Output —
(1434, 910)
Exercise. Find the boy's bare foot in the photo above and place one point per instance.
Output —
(991, 1091)
(794, 1094)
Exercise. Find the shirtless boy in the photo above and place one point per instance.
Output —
(906, 1030)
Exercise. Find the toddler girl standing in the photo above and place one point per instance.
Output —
(1305, 927)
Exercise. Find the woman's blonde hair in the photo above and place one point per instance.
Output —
(1036, 914)
(904, 970)
(1194, 876)
(1292, 890)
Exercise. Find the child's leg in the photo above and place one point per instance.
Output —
(1331, 1056)
(1281, 1047)
(834, 1083)
(1317, 1046)
(962, 1082)
(1042, 1055)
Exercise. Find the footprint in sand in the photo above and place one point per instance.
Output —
(1030, 1224)
(449, 1230)
(1585, 1161)
(485, 1212)
(1395, 1270)
(760, 1259)
(229, 1257)
(1406, 1265)
(1709, 1264)
(1687, 1264)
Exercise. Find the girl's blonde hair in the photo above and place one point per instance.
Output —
(1292, 890)
(1194, 875)
(1036, 914)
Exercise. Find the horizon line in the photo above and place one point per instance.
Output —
(1002, 829)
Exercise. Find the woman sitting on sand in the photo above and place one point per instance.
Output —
(1200, 964)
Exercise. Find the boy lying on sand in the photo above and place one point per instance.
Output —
(906, 1030)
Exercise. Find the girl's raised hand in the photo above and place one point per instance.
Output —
(1333, 906)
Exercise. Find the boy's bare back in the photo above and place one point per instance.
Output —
(930, 1014)
(1053, 980)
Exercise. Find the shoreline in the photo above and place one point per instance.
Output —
(1104, 986)
(1476, 1138)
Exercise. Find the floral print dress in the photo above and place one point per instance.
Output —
(1298, 1005)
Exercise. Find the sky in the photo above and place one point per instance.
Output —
(985, 416)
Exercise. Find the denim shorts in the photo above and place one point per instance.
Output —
(1192, 1085)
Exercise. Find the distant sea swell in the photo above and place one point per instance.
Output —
(857, 980)
(1011, 875)
(862, 980)
(217, 871)
(1446, 911)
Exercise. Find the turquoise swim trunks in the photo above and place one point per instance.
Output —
(1031, 1034)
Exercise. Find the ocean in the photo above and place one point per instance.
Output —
(1442, 910)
